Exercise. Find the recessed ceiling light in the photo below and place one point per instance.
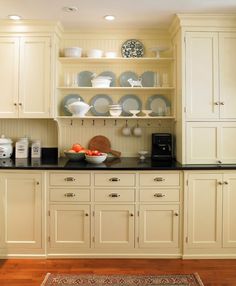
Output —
(109, 17)
(70, 9)
(14, 17)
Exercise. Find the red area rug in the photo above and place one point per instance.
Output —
(121, 280)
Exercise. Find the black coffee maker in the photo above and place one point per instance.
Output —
(162, 149)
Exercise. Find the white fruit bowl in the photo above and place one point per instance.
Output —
(75, 156)
(96, 159)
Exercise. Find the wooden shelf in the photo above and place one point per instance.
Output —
(66, 60)
(116, 117)
(114, 88)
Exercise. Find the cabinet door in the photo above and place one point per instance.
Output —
(227, 137)
(35, 77)
(204, 205)
(202, 143)
(202, 88)
(114, 226)
(227, 57)
(21, 211)
(70, 226)
(229, 210)
(9, 72)
(159, 226)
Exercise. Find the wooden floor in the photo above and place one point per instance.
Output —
(30, 272)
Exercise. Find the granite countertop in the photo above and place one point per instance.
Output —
(111, 164)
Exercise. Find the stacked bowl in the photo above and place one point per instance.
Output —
(115, 109)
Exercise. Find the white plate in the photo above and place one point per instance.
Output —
(125, 76)
(84, 78)
(150, 79)
(68, 99)
(158, 104)
(100, 105)
(130, 102)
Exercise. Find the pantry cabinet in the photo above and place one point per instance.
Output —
(210, 69)
(210, 142)
(26, 76)
(210, 214)
(21, 213)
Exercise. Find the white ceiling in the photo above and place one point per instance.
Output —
(129, 13)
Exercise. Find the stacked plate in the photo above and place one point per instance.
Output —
(115, 109)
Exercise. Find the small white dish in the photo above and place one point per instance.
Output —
(142, 155)
(147, 112)
(134, 112)
(157, 50)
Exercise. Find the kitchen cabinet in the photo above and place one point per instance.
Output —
(210, 142)
(72, 66)
(209, 226)
(210, 69)
(26, 76)
(21, 213)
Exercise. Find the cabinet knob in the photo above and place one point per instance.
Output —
(222, 103)
(159, 195)
(216, 103)
(37, 183)
(220, 183)
(226, 183)
(69, 195)
(131, 214)
(176, 214)
(69, 179)
(86, 214)
(159, 179)
(15, 104)
(114, 195)
(219, 162)
(20, 104)
(114, 179)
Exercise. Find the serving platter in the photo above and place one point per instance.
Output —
(100, 104)
(130, 102)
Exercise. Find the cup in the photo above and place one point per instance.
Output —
(126, 131)
(137, 131)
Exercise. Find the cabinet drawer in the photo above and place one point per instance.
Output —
(159, 179)
(69, 179)
(111, 195)
(159, 195)
(69, 195)
(114, 179)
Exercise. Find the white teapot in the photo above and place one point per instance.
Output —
(78, 108)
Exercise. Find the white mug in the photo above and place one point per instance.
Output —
(137, 131)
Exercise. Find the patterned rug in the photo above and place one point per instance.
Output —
(122, 280)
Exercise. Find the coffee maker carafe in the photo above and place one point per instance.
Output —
(162, 147)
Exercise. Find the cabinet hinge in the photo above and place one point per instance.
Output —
(138, 239)
(185, 109)
(186, 239)
(187, 183)
(138, 213)
(49, 213)
(93, 239)
(49, 239)
(93, 213)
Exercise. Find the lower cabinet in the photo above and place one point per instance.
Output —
(21, 213)
(210, 214)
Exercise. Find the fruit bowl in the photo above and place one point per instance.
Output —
(93, 159)
(75, 156)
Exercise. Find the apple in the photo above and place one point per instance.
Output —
(82, 151)
(71, 151)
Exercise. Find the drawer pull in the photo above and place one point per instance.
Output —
(114, 179)
(159, 195)
(69, 195)
(69, 179)
(159, 179)
(114, 195)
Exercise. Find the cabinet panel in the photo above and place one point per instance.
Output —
(202, 75)
(227, 70)
(114, 226)
(204, 204)
(159, 226)
(227, 142)
(229, 210)
(9, 75)
(21, 211)
(69, 226)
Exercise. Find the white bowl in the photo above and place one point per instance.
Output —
(96, 159)
(115, 112)
(73, 52)
(101, 82)
(94, 53)
(110, 54)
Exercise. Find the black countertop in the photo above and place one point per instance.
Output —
(111, 164)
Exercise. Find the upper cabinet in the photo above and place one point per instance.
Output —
(210, 75)
(27, 71)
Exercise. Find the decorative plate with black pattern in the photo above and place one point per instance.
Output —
(132, 49)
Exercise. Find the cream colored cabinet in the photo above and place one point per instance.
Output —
(26, 83)
(159, 226)
(114, 226)
(22, 213)
(209, 198)
(210, 69)
(159, 210)
(69, 226)
(210, 142)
